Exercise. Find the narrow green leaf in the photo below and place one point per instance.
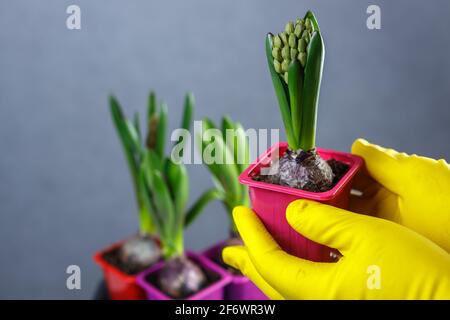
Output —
(163, 204)
(226, 173)
(119, 121)
(161, 131)
(188, 111)
(200, 204)
(313, 19)
(147, 199)
(151, 106)
(146, 222)
(206, 125)
(228, 128)
(281, 96)
(134, 138)
(311, 90)
(137, 126)
(154, 162)
(241, 148)
(186, 120)
(295, 84)
(178, 180)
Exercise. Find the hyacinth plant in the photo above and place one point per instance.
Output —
(229, 148)
(295, 58)
(164, 184)
(141, 251)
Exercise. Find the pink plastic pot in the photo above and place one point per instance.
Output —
(214, 291)
(121, 286)
(240, 287)
(270, 201)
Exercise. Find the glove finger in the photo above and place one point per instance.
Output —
(327, 225)
(238, 258)
(289, 275)
(382, 164)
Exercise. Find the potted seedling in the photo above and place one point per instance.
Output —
(298, 169)
(165, 189)
(123, 260)
(231, 144)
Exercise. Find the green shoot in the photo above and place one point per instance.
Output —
(165, 184)
(230, 143)
(295, 58)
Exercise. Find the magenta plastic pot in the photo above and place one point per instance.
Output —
(240, 287)
(270, 201)
(214, 291)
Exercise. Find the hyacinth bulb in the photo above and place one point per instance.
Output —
(139, 253)
(181, 277)
(305, 170)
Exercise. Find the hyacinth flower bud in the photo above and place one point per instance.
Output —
(284, 38)
(289, 27)
(277, 43)
(276, 54)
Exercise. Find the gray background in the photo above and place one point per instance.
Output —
(64, 186)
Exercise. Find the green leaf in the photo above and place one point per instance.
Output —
(153, 160)
(239, 147)
(295, 85)
(128, 146)
(151, 107)
(178, 180)
(189, 103)
(164, 206)
(134, 138)
(228, 127)
(227, 174)
(161, 131)
(311, 90)
(200, 204)
(145, 184)
(242, 152)
(137, 126)
(281, 96)
(186, 121)
(206, 125)
(313, 19)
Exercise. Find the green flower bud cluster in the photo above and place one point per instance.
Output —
(291, 44)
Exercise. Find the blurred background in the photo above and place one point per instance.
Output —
(65, 190)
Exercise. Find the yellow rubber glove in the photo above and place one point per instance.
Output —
(381, 259)
(410, 190)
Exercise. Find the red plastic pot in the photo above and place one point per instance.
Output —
(270, 201)
(121, 286)
(214, 291)
(240, 287)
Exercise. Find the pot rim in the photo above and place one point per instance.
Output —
(354, 161)
(106, 266)
(235, 278)
(204, 262)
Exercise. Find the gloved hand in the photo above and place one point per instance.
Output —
(410, 190)
(381, 259)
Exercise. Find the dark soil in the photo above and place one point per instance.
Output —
(211, 277)
(135, 255)
(339, 169)
(113, 258)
